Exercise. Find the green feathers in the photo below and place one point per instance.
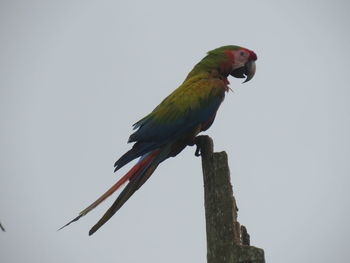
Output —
(212, 61)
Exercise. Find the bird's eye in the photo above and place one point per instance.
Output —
(242, 53)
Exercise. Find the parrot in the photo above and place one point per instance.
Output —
(176, 121)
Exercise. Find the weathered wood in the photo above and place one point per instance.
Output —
(227, 241)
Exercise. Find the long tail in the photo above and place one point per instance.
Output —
(137, 176)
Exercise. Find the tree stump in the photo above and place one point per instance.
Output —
(227, 241)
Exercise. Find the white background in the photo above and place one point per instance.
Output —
(74, 76)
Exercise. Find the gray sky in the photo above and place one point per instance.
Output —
(74, 76)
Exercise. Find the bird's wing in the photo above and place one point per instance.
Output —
(193, 103)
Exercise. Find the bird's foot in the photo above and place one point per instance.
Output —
(197, 153)
(195, 141)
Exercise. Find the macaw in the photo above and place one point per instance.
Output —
(176, 121)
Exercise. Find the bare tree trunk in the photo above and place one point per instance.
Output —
(227, 241)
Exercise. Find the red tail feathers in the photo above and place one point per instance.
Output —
(133, 172)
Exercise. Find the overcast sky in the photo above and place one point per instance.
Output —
(74, 77)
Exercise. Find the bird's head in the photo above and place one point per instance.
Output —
(236, 61)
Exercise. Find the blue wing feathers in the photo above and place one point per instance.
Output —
(138, 149)
(152, 130)
(152, 133)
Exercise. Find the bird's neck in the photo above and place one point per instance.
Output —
(208, 71)
(212, 67)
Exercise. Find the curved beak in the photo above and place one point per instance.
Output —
(250, 67)
(247, 71)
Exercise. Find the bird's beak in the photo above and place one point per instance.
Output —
(250, 67)
(247, 71)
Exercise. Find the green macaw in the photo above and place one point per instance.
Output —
(177, 120)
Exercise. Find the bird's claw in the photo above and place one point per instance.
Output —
(197, 153)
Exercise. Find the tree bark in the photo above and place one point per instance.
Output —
(227, 241)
